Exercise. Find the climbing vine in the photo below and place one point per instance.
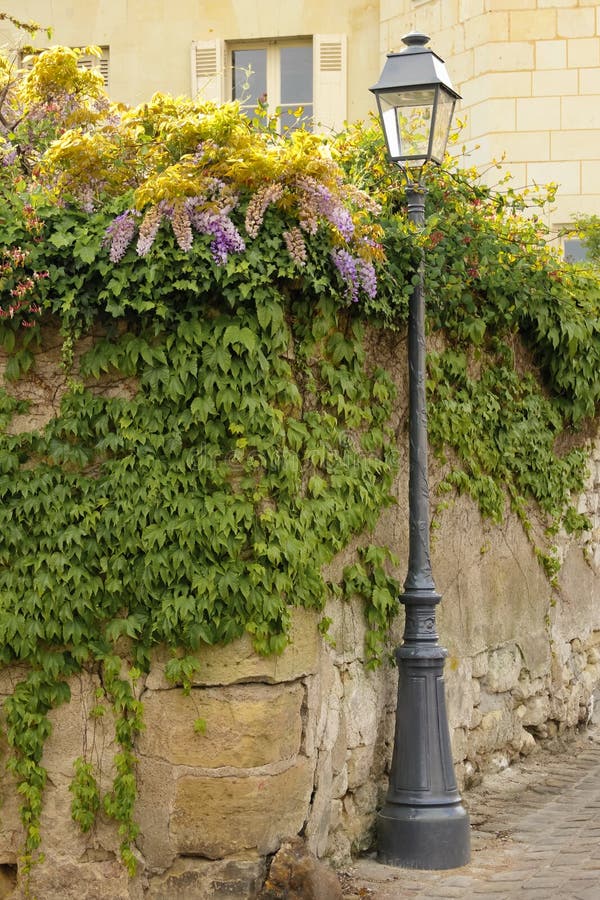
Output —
(223, 278)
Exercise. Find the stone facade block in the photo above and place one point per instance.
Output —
(590, 176)
(504, 56)
(583, 53)
(555, 83)
(216, 817)
(493, 116)
(580, 113)
(524, 146)
(538, 113)
(573, 23)
(565, 174)
(246, 727)
(532, 24)
(489, 27)
(550, 55)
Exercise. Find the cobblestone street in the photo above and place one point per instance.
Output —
(535, 834)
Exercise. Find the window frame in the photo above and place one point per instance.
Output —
(272, 47)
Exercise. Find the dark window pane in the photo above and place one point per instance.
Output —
(249, 76)
(296, 74)
(575, 250)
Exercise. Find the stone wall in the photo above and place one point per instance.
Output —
(299, 744)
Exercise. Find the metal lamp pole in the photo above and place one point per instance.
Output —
(423, 824)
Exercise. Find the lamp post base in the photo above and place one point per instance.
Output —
(423, 837)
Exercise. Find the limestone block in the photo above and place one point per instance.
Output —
(322, 707)
(489, 701)
(339, 785)
(156, 790)
(460, 744)
(218, 817)
(480, 665)
(339, 753)
(246, 725)
(361, 705)
(317, 825)
(505, 665)
(348, 629)
(495, 732)
(195, 879)
(70, 879)
(529, 687)
(537, 710)
(360, 766)
(237, 662)
(459, 691)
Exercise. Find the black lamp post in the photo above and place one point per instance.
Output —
(423, 824)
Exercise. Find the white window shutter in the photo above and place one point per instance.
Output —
(208, 70)
(330, 81)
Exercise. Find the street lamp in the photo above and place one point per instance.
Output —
(423, 824)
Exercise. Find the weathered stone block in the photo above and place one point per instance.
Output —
(194, 879)
(237, 662)
(246, 726)
(505, 666)
(218, 817)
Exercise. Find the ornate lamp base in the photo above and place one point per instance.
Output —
(423, 824)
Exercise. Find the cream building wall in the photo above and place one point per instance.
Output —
(149, 41)
(529, 75)
(528, 70)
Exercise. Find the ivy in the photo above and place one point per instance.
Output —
(226, 277)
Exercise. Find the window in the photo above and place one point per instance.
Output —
(286, 75)
(575, 250)
(276, 76)
(99, 64)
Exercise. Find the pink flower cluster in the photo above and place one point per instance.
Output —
(258, 206)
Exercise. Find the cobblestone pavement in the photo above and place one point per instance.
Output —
(535, 836)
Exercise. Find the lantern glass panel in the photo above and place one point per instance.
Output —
(441, 127)
(407, 119)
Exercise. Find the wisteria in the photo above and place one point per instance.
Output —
(316, 200)
(149, 227)
(296, 246)
(356, 272)
(259, 204)
(120, 233)
(182, 226)
(226, 237)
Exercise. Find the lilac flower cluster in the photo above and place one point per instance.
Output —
(149, 227)
(182, 226)
(226, 237)
(295, 245)
(316, 200)
(258, 205)
(119, 234)
(356, 272)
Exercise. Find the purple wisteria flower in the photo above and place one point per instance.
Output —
(119, 234)
(316, 200)
(357, 273)
(226, 237)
